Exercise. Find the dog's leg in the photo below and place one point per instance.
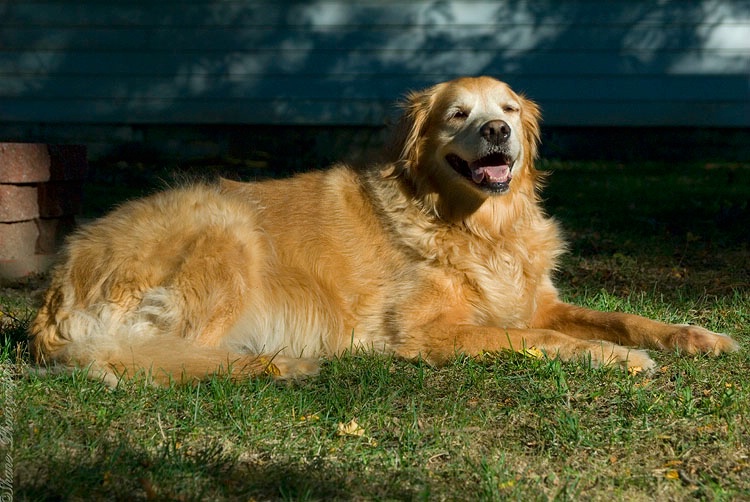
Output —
(446, 340)
(162, 360)
(629, 329)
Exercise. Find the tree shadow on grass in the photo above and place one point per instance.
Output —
(117, 471)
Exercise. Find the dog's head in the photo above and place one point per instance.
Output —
(468, 140)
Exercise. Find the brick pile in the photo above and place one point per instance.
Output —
(40, 194)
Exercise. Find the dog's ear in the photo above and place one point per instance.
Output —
(403, 146)
(530, 118)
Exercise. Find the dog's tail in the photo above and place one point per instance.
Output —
(111, 348)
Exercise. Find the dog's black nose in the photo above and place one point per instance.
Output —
(496, 131)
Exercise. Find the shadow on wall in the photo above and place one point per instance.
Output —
(334, 63)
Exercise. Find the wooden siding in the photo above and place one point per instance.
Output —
(587, 62)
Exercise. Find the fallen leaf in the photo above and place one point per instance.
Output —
(351, 428)
(531, 352)
(672, 474)
(635, 370)
(270, 369)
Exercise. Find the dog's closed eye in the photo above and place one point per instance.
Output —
(459, 114)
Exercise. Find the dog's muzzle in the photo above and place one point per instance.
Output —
(491, 173)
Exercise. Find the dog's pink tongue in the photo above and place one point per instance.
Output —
(493, 174)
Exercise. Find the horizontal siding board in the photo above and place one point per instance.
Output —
(365, 63)
(342, 12)
(193, 111)
(368, 112)
(492, 36)
(638, 89)
(665, 115)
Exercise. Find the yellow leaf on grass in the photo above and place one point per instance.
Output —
(672, 474)
(531, 352)
(351, 428)
(635, 370)
(270, 369)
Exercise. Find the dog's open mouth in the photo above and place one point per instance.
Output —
(491, 172)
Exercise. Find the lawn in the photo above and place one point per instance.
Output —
(665, 241)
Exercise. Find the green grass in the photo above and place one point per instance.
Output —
(668, 242)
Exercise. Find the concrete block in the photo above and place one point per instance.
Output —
(24, 163)
(40, 192)
(18, 203)
(18, 268)
(18, 240)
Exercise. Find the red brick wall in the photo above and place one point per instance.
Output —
(40, 194)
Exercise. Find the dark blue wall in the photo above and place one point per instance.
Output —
(336, 62)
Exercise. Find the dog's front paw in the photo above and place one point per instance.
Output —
(695, 340)
(286, 368)
(634, 361)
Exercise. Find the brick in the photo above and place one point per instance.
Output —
(11, 270)
(18, 240)
(52, 232)
(68, 162)
(24, 163)
(18, 203)
(59, 198)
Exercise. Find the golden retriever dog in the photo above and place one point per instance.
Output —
(441, 249)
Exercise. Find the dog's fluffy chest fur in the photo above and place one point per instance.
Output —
(499, 279)
(497, 270)
(494, 262)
